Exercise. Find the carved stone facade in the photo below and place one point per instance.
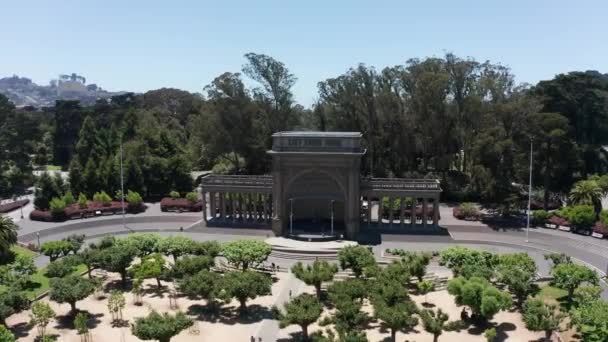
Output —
(315, 175)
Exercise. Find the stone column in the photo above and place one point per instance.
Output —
(424, 211)
(369, 210)
(436, 211)
(223, 205)
(204, 201)
(390, 210)
(233, 207)
(212, 204)
(265, 199)
(401, 211)
(413, 212)
(380, 210)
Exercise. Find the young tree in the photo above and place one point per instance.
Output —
(480, 296)
(584, 295)
(82, 201)
(176, 246)
(469, 262)
(245, 285)
(558, 258)
(315, 274)
(41, 316)
(208, 248)
(417, 263)
(151, 266)
(116, 303)
(76, 241)
(204, 284)
(160, 327)
(570, 276)
(302, 310)
(246, 253)
(436, 322)
(60, 268)
(357, 258)
(91, 258)
(80, 323)
(189, 265)
(70, 289)
(539, 316)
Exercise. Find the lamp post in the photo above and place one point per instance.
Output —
(332, 217)
(291, 217)
(122, 190)
(529, 194)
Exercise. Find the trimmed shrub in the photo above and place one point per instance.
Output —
(103, 198)
(82, 201)
(582, 216)
(192, 197)
(68, 198)
(57, 207)
(466, 211)
(179, 204)
(174, 194)
(540, 217)
(604, 217)
(135, 201)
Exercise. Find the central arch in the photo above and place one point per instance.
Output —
(314, 194)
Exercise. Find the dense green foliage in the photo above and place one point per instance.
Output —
(245, 285)
(569, 276)
(8, 236)
(591, 321)
(356, 258)
(539, 316)
(478, 294)
(245, 253)
(160, 327)
(70, 289)
(302, 310)
(315, 274)
(465, 122)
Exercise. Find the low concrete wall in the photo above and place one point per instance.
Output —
(109, 222)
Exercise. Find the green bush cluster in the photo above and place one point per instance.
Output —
(103, 198)
(540, 217)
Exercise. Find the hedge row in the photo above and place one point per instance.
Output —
(93, 208)
(6, 207)
(180, 204)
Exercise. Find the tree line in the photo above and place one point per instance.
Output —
(466, 122)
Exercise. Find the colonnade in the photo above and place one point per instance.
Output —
(405, 210)
(235, 206)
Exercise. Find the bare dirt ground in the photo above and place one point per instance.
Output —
(227, 327)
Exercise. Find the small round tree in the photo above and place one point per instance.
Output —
(160, 327)
(176, 246)
(70, 289)
(150, 267)
(55, 249)
(436, 322)
(539, 316)
(118, 258)
(80, 323)
(356, 258)
(245, 285)
(192, 197)
(6, 335)
(246, 253)
(302, 310)
(569, 277)
(315, 274)
(425, 287)
(204, 284)
(480, 296)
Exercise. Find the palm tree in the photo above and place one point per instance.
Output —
(8, 234)
(587, 192)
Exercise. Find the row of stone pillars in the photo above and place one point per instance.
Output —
(234, 207)
(403, 213)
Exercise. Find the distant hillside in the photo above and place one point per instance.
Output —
(23, 92)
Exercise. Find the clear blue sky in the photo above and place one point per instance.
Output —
(143, 45)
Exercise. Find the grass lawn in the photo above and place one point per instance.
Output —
(22, 251)
(552, 295)
(39, 283)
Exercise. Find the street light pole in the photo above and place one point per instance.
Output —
(529, 194)
(291, 217)
(332, 218)
(122, 190)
